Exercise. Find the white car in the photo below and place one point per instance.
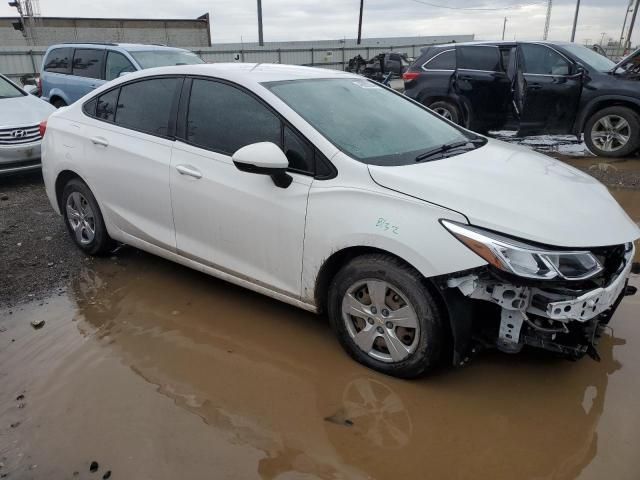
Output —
(20, 117)
(421, 240)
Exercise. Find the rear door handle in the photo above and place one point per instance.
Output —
(189, 171)
(99, 141)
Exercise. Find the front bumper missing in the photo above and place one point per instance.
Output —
(556, 320)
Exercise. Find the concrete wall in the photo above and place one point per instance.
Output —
(50, 30)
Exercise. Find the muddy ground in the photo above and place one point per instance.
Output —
(153, 370)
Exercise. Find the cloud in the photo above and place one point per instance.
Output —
(329, 19)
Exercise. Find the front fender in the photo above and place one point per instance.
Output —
(596, 103)
(341, 217)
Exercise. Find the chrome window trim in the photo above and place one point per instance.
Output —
(424, 65)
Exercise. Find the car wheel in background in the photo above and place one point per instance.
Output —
(613, 132)
(58, 102)
(83, 219)
(385, 317)
(446, 110)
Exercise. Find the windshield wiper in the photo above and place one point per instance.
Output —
(440, 149)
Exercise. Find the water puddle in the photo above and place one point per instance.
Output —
(156, 371)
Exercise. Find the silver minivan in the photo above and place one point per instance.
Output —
(71, 70)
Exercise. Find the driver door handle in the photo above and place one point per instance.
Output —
(189, 171)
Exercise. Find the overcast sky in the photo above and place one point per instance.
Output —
(330, 19)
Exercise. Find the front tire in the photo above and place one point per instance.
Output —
(83, 219)
(385, 317)
(613, 132)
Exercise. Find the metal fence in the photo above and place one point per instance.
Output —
(16, 62)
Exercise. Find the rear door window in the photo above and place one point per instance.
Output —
(116, 65)
(541, 60)
(88, 63)
(146, 105)
(443, 61)
(479, 57)
(223, 118)
(59, 60)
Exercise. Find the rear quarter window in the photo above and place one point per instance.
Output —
(59, 60)
(445, 60)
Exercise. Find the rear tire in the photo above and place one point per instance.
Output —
(446, 110)
(58, 102)
(613, 132)
(83, 219)
(385, 317)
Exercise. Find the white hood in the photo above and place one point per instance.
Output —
(23, 111)
(510, 189)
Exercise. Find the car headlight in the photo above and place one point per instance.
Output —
(525, 260)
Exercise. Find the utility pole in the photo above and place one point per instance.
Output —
(548, 20)
(260, 39)
(360, 22)
(504, 27)
(624, 24)
(633, 22)
(575, 21)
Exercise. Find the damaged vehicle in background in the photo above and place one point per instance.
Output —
(422, 241)
(533, 87)
(386, 64)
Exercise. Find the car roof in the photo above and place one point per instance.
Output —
(123, 46)
(502, 42)
(245, 73)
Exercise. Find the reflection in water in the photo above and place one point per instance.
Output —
(267, 375)
(378, 411)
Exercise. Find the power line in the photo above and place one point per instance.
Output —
(488, 9)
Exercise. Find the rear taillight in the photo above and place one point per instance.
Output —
(43, 128)
(409, 76)
(39, 83)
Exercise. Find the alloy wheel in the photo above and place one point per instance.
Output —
(610, 133)
(380, 320)
(81, 218)
(443, 112)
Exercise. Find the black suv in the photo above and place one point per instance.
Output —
(533, 87)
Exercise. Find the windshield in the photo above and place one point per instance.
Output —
(164, 58)
(367, 121)
(9, 90)
(590, 57)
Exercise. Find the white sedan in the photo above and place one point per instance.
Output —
(419, 239)
(20, 138)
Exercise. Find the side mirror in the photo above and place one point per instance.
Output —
(579, 71)
(122, 74)
(264, 158)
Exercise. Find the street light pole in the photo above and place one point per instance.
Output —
(360, 22)
(504, 27)
(575, 21)
(260, 39)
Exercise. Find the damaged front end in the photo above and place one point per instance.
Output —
(554, 299)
